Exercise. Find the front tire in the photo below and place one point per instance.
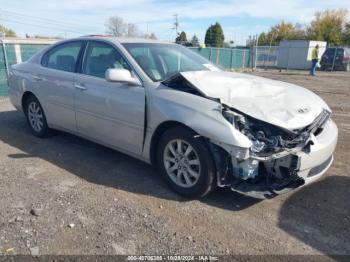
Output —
(36, 117)
(185, 163)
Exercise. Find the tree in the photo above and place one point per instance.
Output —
(263, 40)
(132, 30)
(7, 31)
(181, 38)
(149, 36)
(117, 27)
(346, 34)
(214, 36)
(331, 26)
(299, 32)
(152, 36)
(195, 41)
(328, 26)
(281, 31)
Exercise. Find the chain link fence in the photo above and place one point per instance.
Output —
(290, 54)
(267, 56)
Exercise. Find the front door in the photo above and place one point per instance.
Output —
(109, 112)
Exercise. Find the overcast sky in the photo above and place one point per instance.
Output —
(80, 17)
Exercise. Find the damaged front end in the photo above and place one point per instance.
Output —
(270, 167)
(291, 138)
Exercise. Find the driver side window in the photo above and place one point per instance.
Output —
(101, 56)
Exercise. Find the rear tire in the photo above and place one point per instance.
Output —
(185, 163)
(36, 117)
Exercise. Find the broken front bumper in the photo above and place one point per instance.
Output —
(312, 162)
(315, 163)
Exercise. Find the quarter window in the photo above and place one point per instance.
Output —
(63, 57)
(101, 56)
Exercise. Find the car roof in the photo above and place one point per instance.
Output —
(339, 47)
(121, 40)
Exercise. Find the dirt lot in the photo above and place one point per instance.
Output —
(65, 195)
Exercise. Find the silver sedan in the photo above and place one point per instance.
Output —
(201, 127)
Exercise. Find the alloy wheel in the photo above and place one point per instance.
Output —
(182, 163)
(35, 116)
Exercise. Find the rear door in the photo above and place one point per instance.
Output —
(339, 55)
(328, 56)
(55, 84)
(109, 112)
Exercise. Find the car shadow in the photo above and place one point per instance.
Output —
(319, 215)
(100, 165)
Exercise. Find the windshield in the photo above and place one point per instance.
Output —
(330, 51)
(161, 61)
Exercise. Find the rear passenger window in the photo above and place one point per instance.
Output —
(340, 52)
(63, 57)
(101, 56)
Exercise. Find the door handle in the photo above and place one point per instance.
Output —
(37, 78)
(80, 87)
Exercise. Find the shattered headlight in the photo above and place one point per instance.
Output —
(266, 138)
(234, 118)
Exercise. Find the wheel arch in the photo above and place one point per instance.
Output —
(159, 131)
(219, 155)
(25, 96)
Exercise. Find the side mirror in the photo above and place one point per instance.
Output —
(121, 75)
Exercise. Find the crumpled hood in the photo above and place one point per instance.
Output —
(279, 103)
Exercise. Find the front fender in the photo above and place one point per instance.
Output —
(198, 113)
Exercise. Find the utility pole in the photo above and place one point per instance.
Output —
(256, 50)
(271, 40)
(176, 24)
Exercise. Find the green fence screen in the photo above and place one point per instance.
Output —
(229, 58)
(3, 75)
(26, 50)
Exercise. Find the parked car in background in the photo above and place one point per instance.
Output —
(336, 58)
(201, 127)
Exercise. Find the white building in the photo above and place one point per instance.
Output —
(296, 54)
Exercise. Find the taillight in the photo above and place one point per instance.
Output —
(344, 58)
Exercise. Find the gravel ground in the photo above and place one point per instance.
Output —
(66, 195)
